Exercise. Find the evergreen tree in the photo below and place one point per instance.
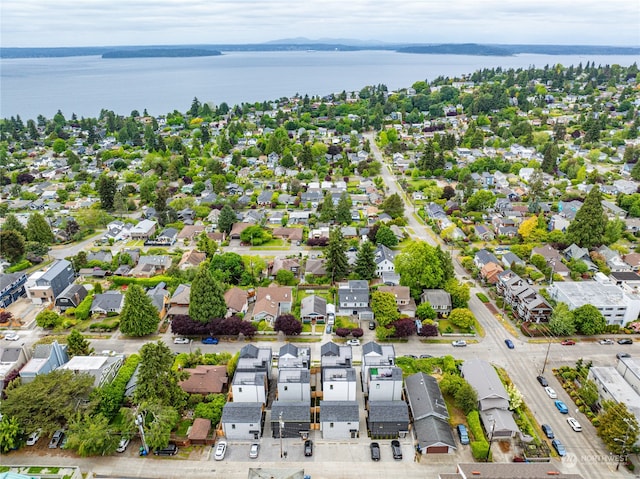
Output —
(366, 261)
(119, 203)
(139, 316)
(157, 381)
(327, 211)
(207, 296)
(11, 223)
(77, 344)
(38, 229)
(11, 245)
(337, 265)
(306, 157)
(343, 210)
(550, 157)
(107, 187)
(588, 228)
(226, 219)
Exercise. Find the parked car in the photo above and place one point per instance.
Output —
(56, 439)
(331, 318)
(372, 325)
(551, 392)
(308, 448)
(620, 341)
(328, 329)
(396, 449)
(575, 425)
(543, 381)
(122, 445)
(606, 341)
(12, 336)
(33, 437)
(170, 450)
(221, 450)
(623, 355)
(181, 340)
(375, 451)
(562, 407)
(354, 342)
(462, 433)
(509, 343)
(254, 450)
(425, 356)
(559, 447)
(568, 342)
(459, 343)
(412, 356)
(210, 340)
(547, 431)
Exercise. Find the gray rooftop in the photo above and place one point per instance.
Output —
(424, 396)
(291, 411)
(242, 412)
(432, 431)
(484, 379)
(339, 411)
(388, 411)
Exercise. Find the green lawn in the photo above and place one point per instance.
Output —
(276, 243)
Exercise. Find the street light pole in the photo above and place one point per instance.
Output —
(281, 423)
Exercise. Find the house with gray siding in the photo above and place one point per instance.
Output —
(71, 297)
(387, 419)
(384, 383)
(339, 419)
(294, 357)
(333, 355)
(45, 286)
(242, 421)
(295, 417)
(11, 288)
(102, 368)
(254, 359)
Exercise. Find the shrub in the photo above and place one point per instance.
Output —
(479, 449)
(357, 332)
(105, 326)
(19, 266)
(482, 297)
(48, 319)
(473, 420)
(343, 332)
(111, 396)
(84, 308)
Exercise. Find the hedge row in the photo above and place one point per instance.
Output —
(112, 395)
(145, 282)
(482, 297)
(19, 266)
(83, 310)
(473, 420)
(480, 449)
(106, 326)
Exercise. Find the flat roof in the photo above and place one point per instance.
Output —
(85, 363)
(617, 387)
(592, 292)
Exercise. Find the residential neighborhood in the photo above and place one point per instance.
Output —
(317, 271)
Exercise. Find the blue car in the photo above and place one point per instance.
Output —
(462, 434)
(210, 340)
(559, 447)
(509, 343)
(562, 407)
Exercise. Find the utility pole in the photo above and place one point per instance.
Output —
(493, 426)
(281, 424)
(140, 423)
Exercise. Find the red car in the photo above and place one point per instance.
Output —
(568, 342)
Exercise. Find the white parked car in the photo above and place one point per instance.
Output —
(33, 437)
(353, 342)
(181, 340)
(12, 336)
(606, 341)
(551, 392)
(254, 450)
(122, 446)
(221, 450)
(459, 344)
(575, 425)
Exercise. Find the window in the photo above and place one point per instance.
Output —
(378, 386)
(331, 387)
(233, 426)
(286, 388)
(239, 390)
(330, 424)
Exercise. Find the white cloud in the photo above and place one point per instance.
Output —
(138, 22)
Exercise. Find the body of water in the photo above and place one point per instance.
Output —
(85, 85)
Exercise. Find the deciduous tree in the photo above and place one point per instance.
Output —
(384, 307)
(589, 320)
(393, 206)
(9, 433)
(462, 317)
(288, 324)
(92, 436)
(226, 219)
(419, 268)
(48, 319)
(139, 316)
(617, 427)
(386, 237)
(561, 322)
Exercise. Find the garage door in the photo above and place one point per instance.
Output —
(438, 450)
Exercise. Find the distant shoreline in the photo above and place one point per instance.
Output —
(161, 53)
(474, 49)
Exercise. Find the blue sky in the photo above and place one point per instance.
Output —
(49, 23)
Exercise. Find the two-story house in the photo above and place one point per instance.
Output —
(353, 298)
(45, 286)
(271, 302)
(71, 297)
(12, 288)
